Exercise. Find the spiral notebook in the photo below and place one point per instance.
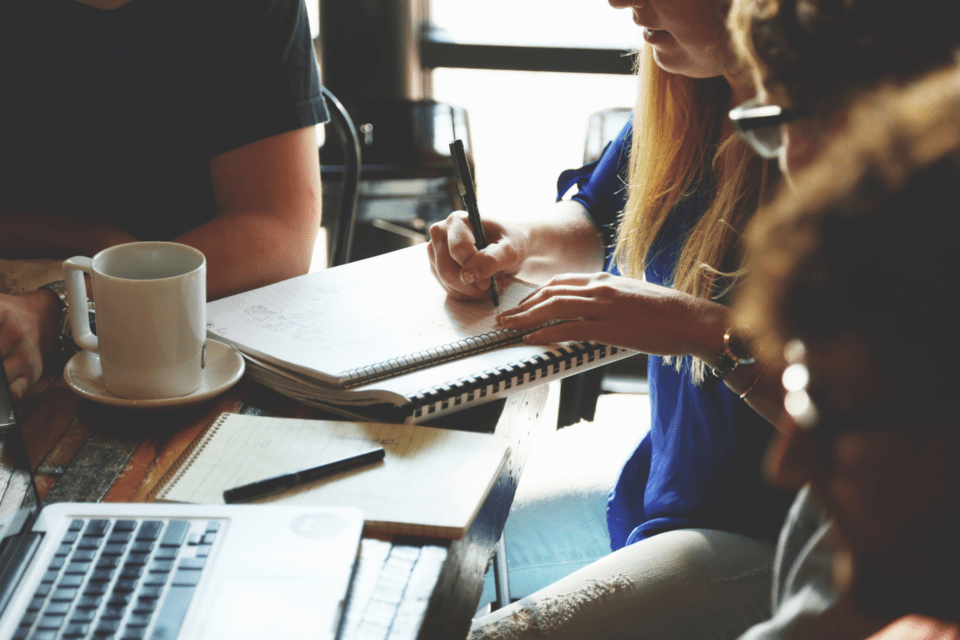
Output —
(380, 339)
(431, 481)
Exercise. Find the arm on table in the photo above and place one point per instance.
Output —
(561, 238)
(268, 213)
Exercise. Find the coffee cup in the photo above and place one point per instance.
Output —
(150, 317)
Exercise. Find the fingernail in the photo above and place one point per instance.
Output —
(468, 277)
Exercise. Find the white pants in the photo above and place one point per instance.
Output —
(688, 584)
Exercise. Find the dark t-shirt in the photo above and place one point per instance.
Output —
(115, 114)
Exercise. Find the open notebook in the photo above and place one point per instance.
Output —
(380, 339)
(431, 482)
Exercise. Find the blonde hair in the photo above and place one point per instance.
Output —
(677, 144)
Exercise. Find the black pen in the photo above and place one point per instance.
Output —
(291, 480)
(468, 192)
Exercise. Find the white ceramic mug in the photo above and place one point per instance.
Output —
(151, 316)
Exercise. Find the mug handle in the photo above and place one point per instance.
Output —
(73, 270)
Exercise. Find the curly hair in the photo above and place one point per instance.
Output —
(871, 248)
(819, 54)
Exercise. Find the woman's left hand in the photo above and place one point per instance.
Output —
(621, 312)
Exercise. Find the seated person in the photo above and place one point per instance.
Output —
(136, 120)
(852, 279)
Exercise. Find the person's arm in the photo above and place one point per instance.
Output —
(560, 239)
(645, 317)
(40, 234)
(268, 213)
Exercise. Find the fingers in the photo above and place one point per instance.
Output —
(455, 262)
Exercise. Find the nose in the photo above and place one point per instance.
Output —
(791, 458)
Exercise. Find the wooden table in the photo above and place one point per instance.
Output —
(86, 452)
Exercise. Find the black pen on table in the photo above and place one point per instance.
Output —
(468, 192)
(291, 480)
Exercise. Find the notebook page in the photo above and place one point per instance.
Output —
(431, 481)
(363, 313)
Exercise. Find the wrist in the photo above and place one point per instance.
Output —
(45, 308)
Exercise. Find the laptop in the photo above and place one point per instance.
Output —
(165, 571)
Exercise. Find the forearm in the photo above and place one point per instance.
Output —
(39, 234)
(561, 239)
(251, 249)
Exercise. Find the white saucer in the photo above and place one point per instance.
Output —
(224, 367)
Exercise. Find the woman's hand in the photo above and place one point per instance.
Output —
(621, 312)
(462, 270)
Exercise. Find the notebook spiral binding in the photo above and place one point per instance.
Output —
(185, 459)
(494, 381)
(433, 356)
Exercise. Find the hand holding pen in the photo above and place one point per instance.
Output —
(469, 194)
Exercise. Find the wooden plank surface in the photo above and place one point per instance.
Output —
(82, 451)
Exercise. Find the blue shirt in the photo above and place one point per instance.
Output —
(700, 464)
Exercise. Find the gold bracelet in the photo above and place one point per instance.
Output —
(759, 375)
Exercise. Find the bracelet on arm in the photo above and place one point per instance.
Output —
(755, 381)
(736, 352)
(66, 346)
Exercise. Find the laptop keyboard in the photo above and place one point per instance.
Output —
(121, 579)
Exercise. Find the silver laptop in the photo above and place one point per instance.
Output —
(164, 571)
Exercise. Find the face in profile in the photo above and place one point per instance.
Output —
(888, 469)
(688, 37)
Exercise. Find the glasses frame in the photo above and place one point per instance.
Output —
(759, 125)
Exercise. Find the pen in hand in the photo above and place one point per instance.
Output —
(469, 194)
(290, 480)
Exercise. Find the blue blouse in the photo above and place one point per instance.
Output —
(700, 464)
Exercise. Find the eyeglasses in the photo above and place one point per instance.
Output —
(759, 125)
(823, 424)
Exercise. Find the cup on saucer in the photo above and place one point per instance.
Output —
(151, 317)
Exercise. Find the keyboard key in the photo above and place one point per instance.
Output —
(70, 537)
(203, 551)
(139, 619)
(51, 622)
(137, 559)
(192, 563)
(133, 633)
(57, 562)
(141, 546)
(185, 578)
(155, 579)
(43, 590)
(50, 576)
(70, 582)
(208, 538)
(119, 599)
(29, 618)
(108, 562)
(194, 539)
(172, 613)
(130, 572)
(57, 608)
(76, 630)
(149, 530)
(89, 542)
(78, 568)
(125, 525)
(83, 615)
(112, 613)
(113, 549)
(83, 555)
(63, 594)
(150, 591)
(64, 549)
(101, 575)
(166, 553)
(175, 534)
(44, 634)
(21, 633)
(36, 604)
(125, 586)
(161, 566)
(96, 528)
(213, 526)
(145, 606)
(89, 601)
(120, 537)
(75, 525)
(95, 589)
(107, 627)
